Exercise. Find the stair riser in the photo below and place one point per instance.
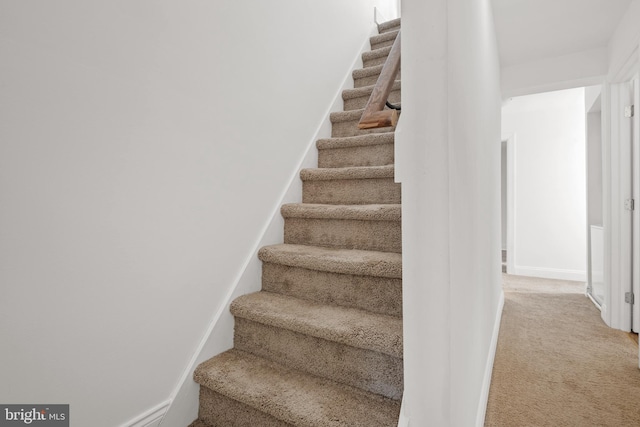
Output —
(369, 80)
(360, 102)
(384, 236)
(369, 370)
(387, 30)
(370, 62)
(351, 191)
(370, 155)
(219, 410)
(376, 294)
(350, 128)
(382, 44)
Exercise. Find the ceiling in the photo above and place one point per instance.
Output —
(529, 30)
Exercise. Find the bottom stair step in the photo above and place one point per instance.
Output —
(220, 411)
(288, 396)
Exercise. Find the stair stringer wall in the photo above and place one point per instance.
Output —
(219, 336)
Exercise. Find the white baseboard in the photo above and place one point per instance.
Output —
(551, 273)
(488, 370)
(149, 418)
(403, 421)
(219, 336)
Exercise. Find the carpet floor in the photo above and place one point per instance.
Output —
(558, 364)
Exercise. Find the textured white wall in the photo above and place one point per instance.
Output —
(143, 147)
(448, 160)
(550, 183)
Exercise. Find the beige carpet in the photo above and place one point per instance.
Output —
(558, 364)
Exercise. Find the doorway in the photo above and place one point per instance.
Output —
(546, 202)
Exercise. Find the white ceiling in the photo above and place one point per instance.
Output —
(529, 30)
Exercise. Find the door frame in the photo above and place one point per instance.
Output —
(619, 159)
(617, 178)
(635, 188)
(511, 201)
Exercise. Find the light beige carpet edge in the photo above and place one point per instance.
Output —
(558, 364)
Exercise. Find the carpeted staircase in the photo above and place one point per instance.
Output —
(321, 344)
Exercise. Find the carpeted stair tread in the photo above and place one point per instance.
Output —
(359, 185)
(366, 227)
(373, 149)
(345, 123)
(388, 212)
(375, 56)
(292, 396)
(218, 410)
(372, 72)
(365, 91)
(343, 261)
(389, 26)
(356, 141)
(346, 116)
(376, 294)
(385, 38)
(359, 172)
(349, 326)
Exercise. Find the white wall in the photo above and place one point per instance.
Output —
(144, 147)
(550, 188)
(624, 40)
(548, 74)
(448, 160)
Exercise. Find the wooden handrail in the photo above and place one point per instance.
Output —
(375, 116)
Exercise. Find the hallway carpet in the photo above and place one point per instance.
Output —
(558, 364)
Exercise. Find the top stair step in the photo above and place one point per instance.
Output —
(392, 25)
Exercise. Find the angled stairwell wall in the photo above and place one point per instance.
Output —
(142, 154)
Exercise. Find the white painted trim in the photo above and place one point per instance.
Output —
(378, 17)
(511, 203)
(403, 421)
(593, 300)
(551, 273)
(607, 215)
(488, 370)
(628, 69)
(618, 233)
(149, 418)
(219, 334)
(636, 196)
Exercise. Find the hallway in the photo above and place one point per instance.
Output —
(557, 363)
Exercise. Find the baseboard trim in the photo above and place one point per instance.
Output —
(551, 273)
(403, 421)
(488, 370)
(149, 418)
(219, 334)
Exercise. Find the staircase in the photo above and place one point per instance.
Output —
(321, 344)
